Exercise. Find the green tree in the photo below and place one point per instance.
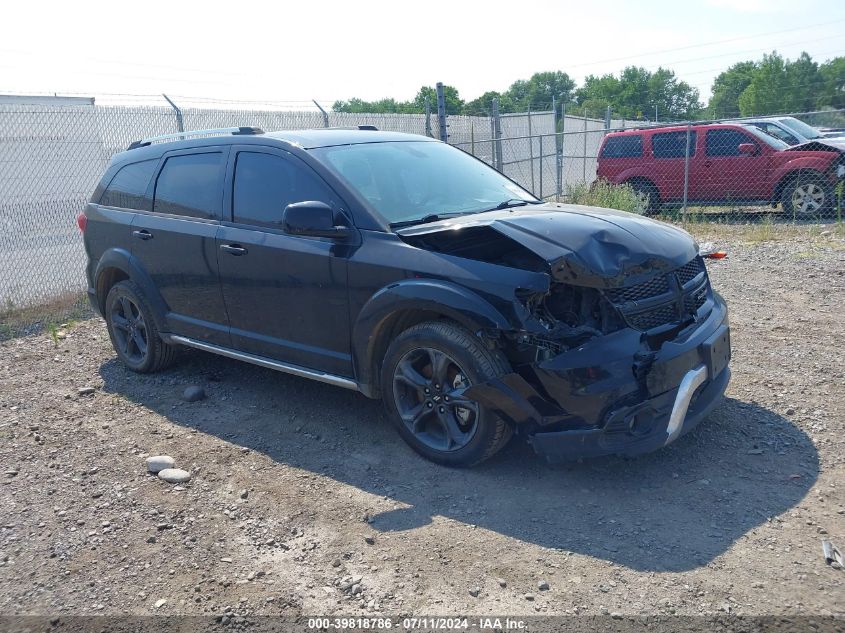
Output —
(454, 103)
(637, 91)
(832, 83)
(483, 104)
(769, 89)
(727, 87)
(804, 81)
(536, 92)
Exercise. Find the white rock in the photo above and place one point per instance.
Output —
(174, 475)
(160, 603)
(158, 463)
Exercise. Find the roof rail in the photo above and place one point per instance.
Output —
(367, 128)
(183, 135)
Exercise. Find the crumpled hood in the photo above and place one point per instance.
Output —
(586, 246)
(820, 145)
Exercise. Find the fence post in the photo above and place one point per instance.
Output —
(497, 135)
(562, 143)
(531, 151)
(541, 167)
(325, 114)
(180, 123)
(584, 159)
(607, 119)
(557, 149)
(428, 117)
(686, 171)
(441, 112)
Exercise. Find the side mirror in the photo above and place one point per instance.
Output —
(747, 149)
(314, 219)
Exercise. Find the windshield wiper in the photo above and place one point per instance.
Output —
(431, 217)
(512, 202)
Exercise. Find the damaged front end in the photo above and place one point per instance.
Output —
(626, 350)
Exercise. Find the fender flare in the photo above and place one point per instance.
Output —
(122, 260)
(793, 168)
(376, 318)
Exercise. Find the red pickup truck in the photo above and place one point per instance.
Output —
(729, 164)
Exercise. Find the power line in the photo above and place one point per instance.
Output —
(705, 44)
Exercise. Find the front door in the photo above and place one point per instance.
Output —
(175, 243)
(725, 174)
(286, 295)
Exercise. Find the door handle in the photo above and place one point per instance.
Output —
(233, 249)
(142, 235)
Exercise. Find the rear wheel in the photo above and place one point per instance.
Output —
(648, 196)
(426, 372)
(133, 331)
(807, 196)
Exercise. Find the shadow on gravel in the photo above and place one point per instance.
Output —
(673, 510)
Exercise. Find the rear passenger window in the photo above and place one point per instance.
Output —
(725, 142)
(266, 183)
(672, 144)
(623, 147)
(189, 185)
(126, 190)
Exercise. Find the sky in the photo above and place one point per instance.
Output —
(288, 53)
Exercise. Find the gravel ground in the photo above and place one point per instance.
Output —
(304, 500)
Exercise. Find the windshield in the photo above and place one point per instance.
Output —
(407, 181)
(807, 131)
(767, 138)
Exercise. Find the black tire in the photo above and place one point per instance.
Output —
(133, 331)
(479, 434)
(649, 195)
(807, 196)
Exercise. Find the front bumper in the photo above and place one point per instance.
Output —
(645, 427)
(614, 395)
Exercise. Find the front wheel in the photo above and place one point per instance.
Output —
(426, 373)
(807, 196)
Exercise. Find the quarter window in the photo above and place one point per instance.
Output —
(189, 185)
(726, 142)
(623, 146)
(672, 144)
(266, 183)
(128, 187)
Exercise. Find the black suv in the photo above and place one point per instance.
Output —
(408, 270)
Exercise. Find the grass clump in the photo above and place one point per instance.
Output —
(607, 195)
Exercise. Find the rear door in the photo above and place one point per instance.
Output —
(175, 241)
(723, 174)
(286, 295)
(668, 150)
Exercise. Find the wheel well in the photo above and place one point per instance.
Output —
(108, 278)
(391, 327)
(793, 175)
(644, 181)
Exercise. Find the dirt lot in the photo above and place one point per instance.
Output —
(304, 499)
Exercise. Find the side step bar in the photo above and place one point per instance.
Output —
(296, 370)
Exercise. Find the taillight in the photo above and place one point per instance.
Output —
(82, 221)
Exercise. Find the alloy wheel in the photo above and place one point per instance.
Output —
(130, 330)
(428, 389)
(808, 198)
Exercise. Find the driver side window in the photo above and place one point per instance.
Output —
(264, 184)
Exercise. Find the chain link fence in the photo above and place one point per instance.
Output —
(52, 156)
